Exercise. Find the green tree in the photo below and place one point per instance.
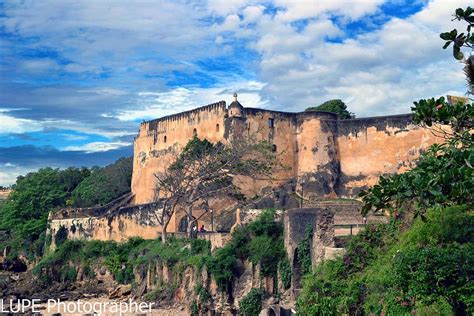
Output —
(335, 106)
(104, 185)
(25, 212)
(204, 170)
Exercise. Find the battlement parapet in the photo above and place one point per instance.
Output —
(153, 124)
(381, 123)
(95, 211)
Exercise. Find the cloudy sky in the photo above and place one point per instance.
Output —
(77, 77)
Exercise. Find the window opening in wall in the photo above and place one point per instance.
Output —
(271, 122)
(195, 132)
(217, 127)
(274, 148)
(164, 139)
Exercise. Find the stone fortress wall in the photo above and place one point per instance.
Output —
(327, 157)
(323, 157)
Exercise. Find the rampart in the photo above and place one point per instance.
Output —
(326, 157)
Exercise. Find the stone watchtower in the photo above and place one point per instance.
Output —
(235, 108)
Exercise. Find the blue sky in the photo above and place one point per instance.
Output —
(76, 78)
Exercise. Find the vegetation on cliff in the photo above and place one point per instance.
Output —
(260, 242)
(428, 268)
(121, 259)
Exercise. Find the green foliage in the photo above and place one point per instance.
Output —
(70, 274)
(251, 304)
(459, 116)
(194, 308)
(428, 269)
(121, 259)
(304, 250)
(195, 149)
(25, 212)
(202, 301)
(335, 106)
(462, 39)
(284, 269)
(261, 241)
(266, 251)
(444, 174)
(104, 185)
(222, 266)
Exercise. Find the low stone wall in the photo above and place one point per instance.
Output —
(118, 223)
(346, 212)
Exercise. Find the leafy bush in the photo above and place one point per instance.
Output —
(284, 269)
(261, 241)
(251, 304)
(266, 251)
(222, 266)
(304, 250)
(70, 274)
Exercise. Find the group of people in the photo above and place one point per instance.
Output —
(195, 230)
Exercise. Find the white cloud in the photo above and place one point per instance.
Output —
(10, 124)
(378, 72)
(252, 13)
(353, 9)
(159, 104)
(96, 147)
(38, 66)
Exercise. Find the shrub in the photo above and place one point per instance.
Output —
(70, 274)
(284, 269)
(304, 250)
(267, 251)
(222, 266)
(251, 304)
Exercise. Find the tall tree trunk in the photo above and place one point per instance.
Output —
(191, 222)
(164, 233)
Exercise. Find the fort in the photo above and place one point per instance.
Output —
(325, 158)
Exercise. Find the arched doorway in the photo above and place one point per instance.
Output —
(183, 224)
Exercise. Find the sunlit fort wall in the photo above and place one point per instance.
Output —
(325, 157)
